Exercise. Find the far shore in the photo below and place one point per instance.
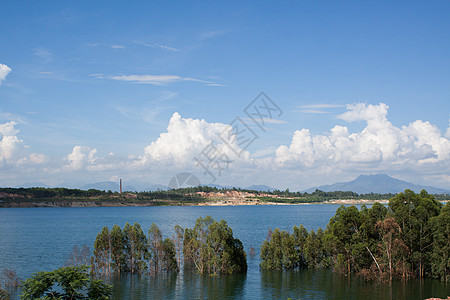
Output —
(222, 202)
(60, 197)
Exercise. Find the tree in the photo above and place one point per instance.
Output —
(413, 213)
(79, 256)
(169, 256)
(441, 248)
(211, 247)
(118, 249)
(282, 251)
(102, 252)
(341, 236)
(178, 240)
(155, 247)
(136, 251)
(313, 250)
(65, 283)
(391, 246)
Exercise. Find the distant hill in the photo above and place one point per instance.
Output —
(220, 186)
(33, 184)
(127, 187)
(380, 183)
(261, 188)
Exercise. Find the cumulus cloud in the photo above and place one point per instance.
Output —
(13, 150)
(4, 71)
(80, 157)
(188, 139)
(380, 144)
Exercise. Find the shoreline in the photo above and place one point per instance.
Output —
(228, 202)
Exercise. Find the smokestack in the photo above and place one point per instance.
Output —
(121, 185)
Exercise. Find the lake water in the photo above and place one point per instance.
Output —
(36, 239)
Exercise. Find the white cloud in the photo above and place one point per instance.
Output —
(80, 157)
(380, 145)
(187, 139)
(13, 150)
(8, 128)
(418, 148)
(156, 79)
(33, 159)
(4, 71)
(118, 47)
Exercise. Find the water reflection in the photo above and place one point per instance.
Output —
(184, 285)
(325, 284)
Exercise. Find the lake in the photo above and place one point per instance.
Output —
(36, 239)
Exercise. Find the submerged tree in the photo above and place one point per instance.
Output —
(155, 247)
(102, 253)
(118, 262)
(407, 239)
(440, 264)
(178, 241)
(211, 247)
(413, 213)
(129, 250)
(136, 251)
(79, 256)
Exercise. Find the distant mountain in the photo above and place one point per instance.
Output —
(127, 186)
(108, 186)
(261, 188)
(102, 186)
(220, 186)
(380, 183)
(33, 184)
(156, 187)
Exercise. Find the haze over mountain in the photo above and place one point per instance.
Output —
(379, 183)
(261, 188)
(130, 187)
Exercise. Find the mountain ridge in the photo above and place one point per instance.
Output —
(378, 183)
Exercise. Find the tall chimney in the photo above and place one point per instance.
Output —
(121, 185)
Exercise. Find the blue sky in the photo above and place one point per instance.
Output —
(89, 86)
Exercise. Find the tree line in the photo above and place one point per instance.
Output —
(408, 239)
(189, 193)
(209, 247)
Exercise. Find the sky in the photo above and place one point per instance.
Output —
(290, 94)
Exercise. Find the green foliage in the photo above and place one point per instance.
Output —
(440, 262)
(284, 251)
(409, 239)
(129, 250)
(4, 294)
(169, 255)
(136, 251)
(211, 247)
(117, 239)
(102, 252)
(342, 235)
(413, 213)
(65, 283)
